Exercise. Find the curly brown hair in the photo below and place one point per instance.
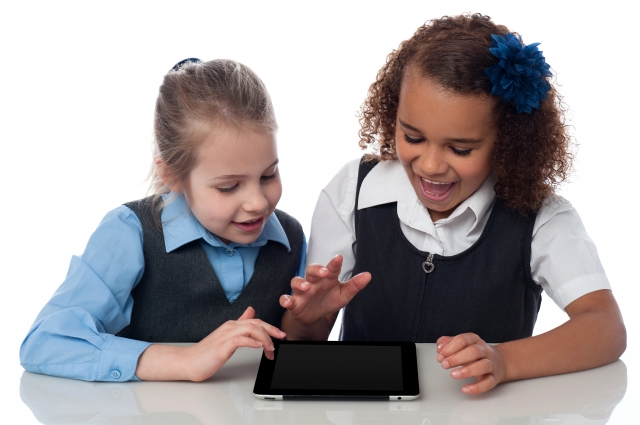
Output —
(533, 152)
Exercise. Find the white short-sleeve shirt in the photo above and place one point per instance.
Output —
(564, 260)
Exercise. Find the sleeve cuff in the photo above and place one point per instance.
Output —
(119, 359)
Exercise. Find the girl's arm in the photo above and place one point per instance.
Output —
(565, 262)
(200, 361)
(593, 336)
(310, 314)
(73, 336)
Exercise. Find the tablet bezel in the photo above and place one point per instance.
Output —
(411, 385)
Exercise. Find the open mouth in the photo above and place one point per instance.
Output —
(249, 225)
(436, 191)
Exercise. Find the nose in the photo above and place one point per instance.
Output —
(432, 161)
(256, 201)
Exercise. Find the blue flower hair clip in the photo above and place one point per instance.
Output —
(520, 75)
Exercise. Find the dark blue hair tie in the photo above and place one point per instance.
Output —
(177, 66)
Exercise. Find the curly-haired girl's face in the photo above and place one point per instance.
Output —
(444, 141)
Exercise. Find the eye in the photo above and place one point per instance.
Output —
(412, 141)
(227, 189)
(461, 152)
(269, 177)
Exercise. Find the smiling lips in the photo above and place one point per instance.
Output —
(250, 226)
(435, 191)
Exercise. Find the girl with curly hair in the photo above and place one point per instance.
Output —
(452, 229)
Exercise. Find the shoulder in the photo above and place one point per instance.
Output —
(347, 176)
(121, 216)
(381, 184)
(340, 193)
(288, 222)
(293, 232)
(149, 212)
(554, 209)
(119, 231)
(342, 188)
(143, 206)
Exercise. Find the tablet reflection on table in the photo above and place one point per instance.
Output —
(581, 398)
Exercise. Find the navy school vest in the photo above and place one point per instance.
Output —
(486, 289)
(179, 297)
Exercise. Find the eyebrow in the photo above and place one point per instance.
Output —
(449, 139)
(239, 176)
(409, 127)
(462, 140)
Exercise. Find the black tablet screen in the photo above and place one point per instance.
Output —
(338, 367)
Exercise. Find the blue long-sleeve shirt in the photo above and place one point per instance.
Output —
(74, 334)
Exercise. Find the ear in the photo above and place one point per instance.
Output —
(166, 174)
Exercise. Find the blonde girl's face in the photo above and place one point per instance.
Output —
(444, 141)
(235, 185)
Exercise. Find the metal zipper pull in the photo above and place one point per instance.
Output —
(428, 266)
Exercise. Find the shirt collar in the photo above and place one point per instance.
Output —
(387, 182)
(180, 227)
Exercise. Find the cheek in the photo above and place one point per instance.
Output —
(223, 208)
(475, 171)
(273, 193)
(216, 207)
(406, 152)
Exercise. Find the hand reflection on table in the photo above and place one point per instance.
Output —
(579, 398)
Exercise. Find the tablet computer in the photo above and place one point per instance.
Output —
(337, 369)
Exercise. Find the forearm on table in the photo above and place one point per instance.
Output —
(316, 331)
(163, 363)
(593, 336)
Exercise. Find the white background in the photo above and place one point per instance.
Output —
(79, 80)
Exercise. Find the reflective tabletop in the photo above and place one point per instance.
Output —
(587, 397)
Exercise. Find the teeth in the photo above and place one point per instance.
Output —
(432, 182)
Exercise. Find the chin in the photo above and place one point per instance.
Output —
(247, 239)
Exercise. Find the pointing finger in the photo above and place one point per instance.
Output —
(354, 285)
(249, 313)
(316, 272)
(334, 266)
(270, 329)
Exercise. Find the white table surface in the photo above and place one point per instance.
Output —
(579, 398)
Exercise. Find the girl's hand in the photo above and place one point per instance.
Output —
(207, 357)
(477, 358)
(200, 361)
(320, 293)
